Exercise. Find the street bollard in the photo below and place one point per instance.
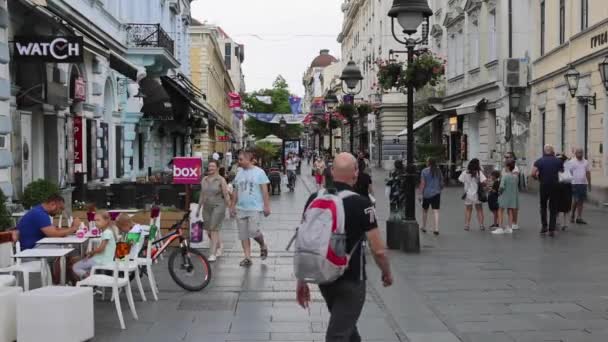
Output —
(393, 230)
(410, 237)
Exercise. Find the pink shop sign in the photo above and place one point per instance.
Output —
(187, 170)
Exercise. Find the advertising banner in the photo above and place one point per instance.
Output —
(78, 143)
(187, 170)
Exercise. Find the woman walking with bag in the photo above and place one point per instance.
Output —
(474, 193)
(564, 203)
(431, 184)
(213, 201)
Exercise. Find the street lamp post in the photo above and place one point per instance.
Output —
(331, 100)
(410, 14)
(352, 77)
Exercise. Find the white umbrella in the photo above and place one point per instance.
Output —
(273, 139)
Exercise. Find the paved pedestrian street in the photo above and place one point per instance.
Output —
(464, 286)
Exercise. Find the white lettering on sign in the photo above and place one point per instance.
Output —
(58, 48)
(184, 172)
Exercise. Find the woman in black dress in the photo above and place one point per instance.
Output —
(564, 204)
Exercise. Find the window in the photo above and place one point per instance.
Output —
(586, 130)
(562, 128)
(543, 126)
(140, 151)
(562, 21)
(542, 28)
(460, 53)
(492, 37)
(473, 45)
(451, 56)
(584, 14)
(4, 142)
(228, 56)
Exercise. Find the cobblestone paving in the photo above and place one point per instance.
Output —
(464, 286)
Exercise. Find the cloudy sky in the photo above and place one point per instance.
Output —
(280, 36)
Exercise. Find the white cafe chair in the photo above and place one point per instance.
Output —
(25, 268)
(115, 283)
(129, 266)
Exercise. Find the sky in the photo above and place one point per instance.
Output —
(280, 36)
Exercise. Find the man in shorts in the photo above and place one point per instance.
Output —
(581, 183)
(250, 201)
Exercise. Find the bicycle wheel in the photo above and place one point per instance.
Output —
(190, 269)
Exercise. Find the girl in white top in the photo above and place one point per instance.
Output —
(472, 179)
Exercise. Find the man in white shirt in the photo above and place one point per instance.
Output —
(581, 183)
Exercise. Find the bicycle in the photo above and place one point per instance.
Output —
(181, 259)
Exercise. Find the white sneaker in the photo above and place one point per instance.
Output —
(498, 231)
(515, 227)
(219, 252)
(212, 258)
(508, 230)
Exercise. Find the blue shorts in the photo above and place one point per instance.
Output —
(579, 192)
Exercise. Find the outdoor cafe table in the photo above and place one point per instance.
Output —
(62, 241)
(44, 253)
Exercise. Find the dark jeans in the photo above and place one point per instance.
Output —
(549, 196)
(345, 299)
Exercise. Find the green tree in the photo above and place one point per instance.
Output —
(280, 105)
(6, 221)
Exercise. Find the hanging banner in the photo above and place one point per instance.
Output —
(80, 90)
(295, 103)
(264, 99)
(187, 170)
(292, 119)
(78, 142)
(238, 113)
(235, 100)
(222, 136)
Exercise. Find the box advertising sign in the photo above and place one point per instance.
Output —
(187, 170)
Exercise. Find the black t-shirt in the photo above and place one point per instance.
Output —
(362, 185)
(548, 169)
(360, 218)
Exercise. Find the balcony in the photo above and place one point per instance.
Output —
(151, 46)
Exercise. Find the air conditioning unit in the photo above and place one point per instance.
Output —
(516, 73)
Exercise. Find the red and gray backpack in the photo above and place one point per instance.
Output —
(320, 240)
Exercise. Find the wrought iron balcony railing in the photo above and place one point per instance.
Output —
(149, 35)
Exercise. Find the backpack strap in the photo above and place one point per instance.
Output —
(346, 194)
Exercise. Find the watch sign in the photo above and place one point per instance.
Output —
(187, 170)
(49, 48)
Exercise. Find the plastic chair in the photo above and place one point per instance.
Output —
(147, 261)
(131, 265)
(25, 268)
(115, 283)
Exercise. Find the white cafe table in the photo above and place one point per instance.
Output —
(43, 253)
(63, 241)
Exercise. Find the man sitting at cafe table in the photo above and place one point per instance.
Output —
(37, 224)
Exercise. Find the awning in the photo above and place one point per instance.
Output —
(157, 102)
(462, 109)
(421, 123)
(123, 66)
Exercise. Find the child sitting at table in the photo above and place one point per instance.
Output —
(126, 225)
(104, 253)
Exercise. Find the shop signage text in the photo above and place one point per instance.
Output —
(77, 140)
(187, 170)
(599, 39)
(49, 48)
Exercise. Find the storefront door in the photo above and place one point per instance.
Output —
(27, 175)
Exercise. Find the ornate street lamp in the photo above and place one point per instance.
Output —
(604, 72)
(573, 77)
(410, 14)
(330, 100)
(351, 76)
(283, 124)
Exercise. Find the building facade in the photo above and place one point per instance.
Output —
(477, 38)
(366, 38)
(116, 111)
(211, 75)
(571, 33)
(6, 156)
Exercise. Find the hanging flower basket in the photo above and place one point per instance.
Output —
(425, 69)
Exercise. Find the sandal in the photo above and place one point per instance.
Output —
(482, 228)
(467, 228)
(264, 253)
(423, 230)
(246, 263)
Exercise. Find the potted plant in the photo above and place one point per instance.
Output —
(37, 192)
(426, 68)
